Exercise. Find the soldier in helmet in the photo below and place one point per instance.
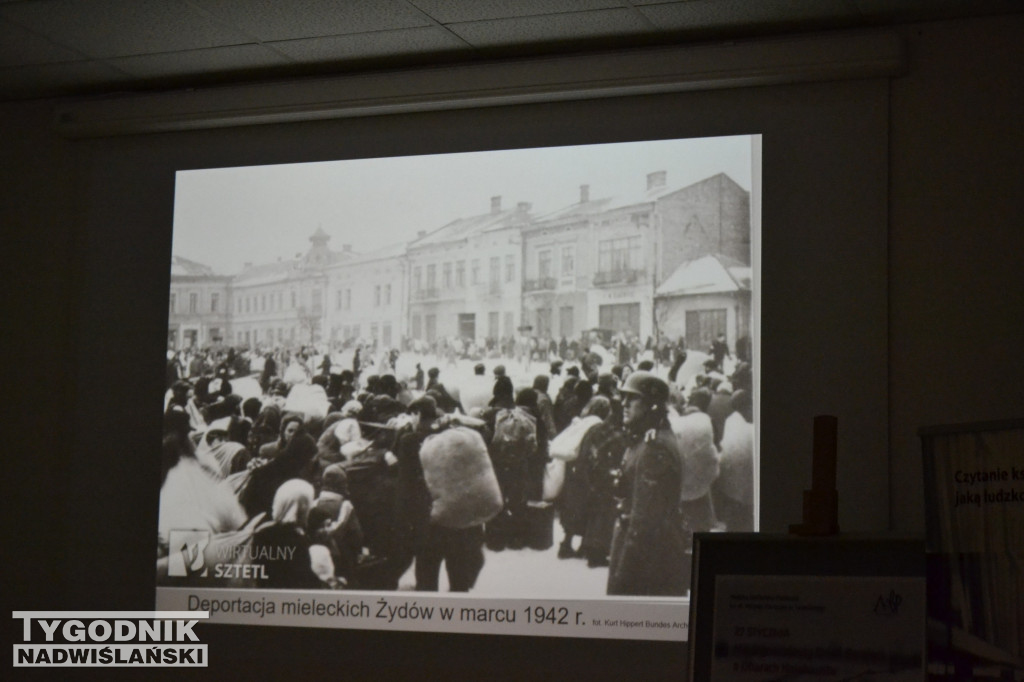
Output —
(648, 555)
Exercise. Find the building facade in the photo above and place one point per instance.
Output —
(284, 303)
(558, 268)
(598, 263)
(465, 278)
(368, 298)
(706, 297)
(489, 278)
(198, 306)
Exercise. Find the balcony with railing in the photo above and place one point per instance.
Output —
(540, 284)
(428, 294)
(619, 276)
(490, 289)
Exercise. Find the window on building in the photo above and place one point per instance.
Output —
(214, 301)
(280, 301)
(704, 326)
(565, 321)
(295, 303)
(280, 333)
(543, 322)
(446, 275)
(460, 273)
(622, 317)
(387, 294)
(492, 325)
(339, 297)
(431, 324)
(619, 254)
(373, 331)
(544, 263)
(238, 305)
(510, 324)
(431, 276)
(318, 300)
(173, 305)
(495, 274)
(417, 278)
(510, 268)
(475, 272)
(193, 303)
(568, 261)
(376, 295)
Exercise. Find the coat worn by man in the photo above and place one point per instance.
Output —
(648, 555)
(600, 454)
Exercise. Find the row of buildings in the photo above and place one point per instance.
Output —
(672, 261)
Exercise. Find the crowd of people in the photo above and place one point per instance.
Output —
(323, 473)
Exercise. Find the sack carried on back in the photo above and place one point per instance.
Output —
(566, 445)
(460, 478)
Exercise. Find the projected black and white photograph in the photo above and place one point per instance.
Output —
(522, 373)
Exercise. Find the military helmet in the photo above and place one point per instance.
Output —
(646, 385)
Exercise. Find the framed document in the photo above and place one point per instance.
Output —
(974, 487)
(769, 607)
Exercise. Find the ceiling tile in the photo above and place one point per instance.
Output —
(714, 14)
(200, 62)
(552, 28)
(20, 47)
(275, 20)
(450, 11)
(370, 45)
(43, 80)
(910, 9)
(115, 28)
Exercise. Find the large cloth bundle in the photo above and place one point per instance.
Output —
(737, 476)
(566, 445)
(308, 399)
(554, 479)
(695, 436)
(460, 479)
(247, 387)
(515, 434)
(477, 392)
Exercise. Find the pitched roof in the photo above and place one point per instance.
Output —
(463, 228)
(576, 211)
(183, 267)
(715, 274)
(661, 191)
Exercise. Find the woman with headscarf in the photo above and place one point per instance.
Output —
(258, 493)
(283, 546)
(334, 523)
(266, 428)
(291, 423)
